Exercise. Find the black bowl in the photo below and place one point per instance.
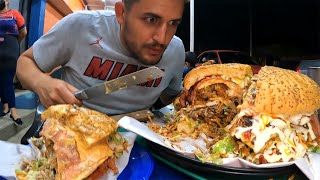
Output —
(213, 171)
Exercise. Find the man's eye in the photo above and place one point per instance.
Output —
(174, 23)
(151, 20)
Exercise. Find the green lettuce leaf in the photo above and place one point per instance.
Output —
(226, 145)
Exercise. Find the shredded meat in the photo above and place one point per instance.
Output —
(216, 134)
(212, 91)
(219, 114)
(245, 122)
(49, 153)
(250, 95)
(182, 99)
(262, 160)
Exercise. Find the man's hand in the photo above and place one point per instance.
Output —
(50, 91)
(55, 91)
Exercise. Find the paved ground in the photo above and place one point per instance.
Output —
(25, 101)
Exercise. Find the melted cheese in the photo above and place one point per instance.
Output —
(264, 127)
(241, 82)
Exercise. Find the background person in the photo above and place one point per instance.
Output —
(12, 31)
(97, 46)
(190, 62)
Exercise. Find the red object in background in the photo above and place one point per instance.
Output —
(304, 65)
(228, 56)
(11, 22)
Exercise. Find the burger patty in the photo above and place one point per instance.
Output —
(212, 91)
(209, 93)
(213, 105)
(219, 115)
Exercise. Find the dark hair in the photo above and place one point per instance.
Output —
(129, 3)
(191, 58)
(2, 4)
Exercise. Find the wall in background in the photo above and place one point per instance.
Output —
(14, 4)
(52, 16)
(75, 5)
(57, 9)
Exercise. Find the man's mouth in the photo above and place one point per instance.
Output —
(155, 50)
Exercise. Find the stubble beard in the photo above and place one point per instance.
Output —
(133, 48)
(134, 51)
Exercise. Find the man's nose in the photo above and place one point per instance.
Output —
(160, 34)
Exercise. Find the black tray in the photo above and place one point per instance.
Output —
(213, 171)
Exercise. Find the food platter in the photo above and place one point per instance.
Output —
(210, 171)
(232, 168)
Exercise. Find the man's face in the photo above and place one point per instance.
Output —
(148, 27)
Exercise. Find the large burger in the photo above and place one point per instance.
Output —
(76, 143)
(278, 119)
(210, 98)
(212, 92)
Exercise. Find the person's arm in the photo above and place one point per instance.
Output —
(168, 99)
(50, 91)
(21, 25)
(22, 34)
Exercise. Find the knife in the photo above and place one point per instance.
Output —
(122, 82)
(142, 115)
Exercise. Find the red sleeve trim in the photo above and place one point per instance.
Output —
(19, 19)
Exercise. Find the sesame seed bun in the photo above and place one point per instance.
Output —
(281, 91)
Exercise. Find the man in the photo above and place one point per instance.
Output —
(190, 62)
(97, 46)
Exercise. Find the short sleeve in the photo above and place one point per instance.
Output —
(175, 85)
(56, 47)
(19, 20)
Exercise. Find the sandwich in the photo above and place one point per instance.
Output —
(75, 143)
(278, 117)
(212, 93)
(206, 106)
(208, 102)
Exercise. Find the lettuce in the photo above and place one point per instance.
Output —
(226, 145)
(315, 149)
(221, 149)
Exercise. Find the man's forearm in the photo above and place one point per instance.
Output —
(28, 72)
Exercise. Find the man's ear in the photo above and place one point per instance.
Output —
(120, 12)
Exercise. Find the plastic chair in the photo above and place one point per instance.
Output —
(36, 126)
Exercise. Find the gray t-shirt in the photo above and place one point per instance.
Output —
(87, 46)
